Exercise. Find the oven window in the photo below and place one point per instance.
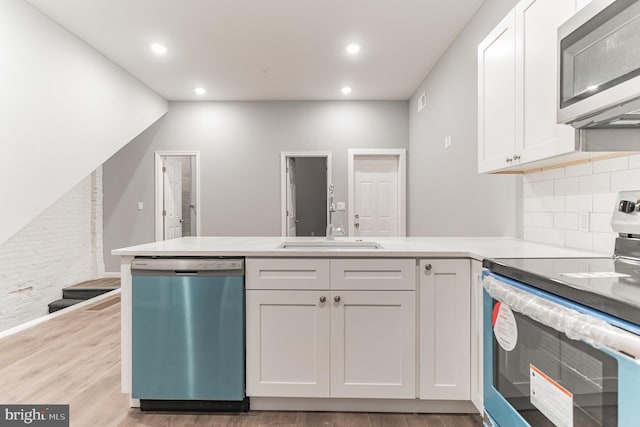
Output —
(587, 374)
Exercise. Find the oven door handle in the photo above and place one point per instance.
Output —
(577, 326)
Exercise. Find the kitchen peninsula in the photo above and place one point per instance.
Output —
(378, 324)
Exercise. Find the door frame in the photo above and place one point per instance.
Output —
(159, 186)
(284, 155)
(401, 155)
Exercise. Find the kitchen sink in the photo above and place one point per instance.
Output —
(330, 244)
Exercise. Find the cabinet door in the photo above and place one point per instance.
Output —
(373, 344)
(476, 335)
(288, 343)
(373, 274)
(445, 345)
(538, 135)
(497, 97)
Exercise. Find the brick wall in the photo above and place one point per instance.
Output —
(61, 247)
(556, 200)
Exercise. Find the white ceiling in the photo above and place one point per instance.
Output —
(269, 49)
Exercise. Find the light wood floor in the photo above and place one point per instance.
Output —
(107, 282)
(75, 359)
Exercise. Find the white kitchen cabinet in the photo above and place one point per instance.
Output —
(373, 344)
(517, 90)
(497, 96)
(445, 342)
(338, 339)
(476, 335)
(287, 343)
(538, 136)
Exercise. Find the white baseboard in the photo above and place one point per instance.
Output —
(362, 405)
(112, 274)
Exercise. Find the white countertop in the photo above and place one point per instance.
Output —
(408, 247)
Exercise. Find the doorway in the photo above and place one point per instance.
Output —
(305, 179)
(377, 192)
(177, 185)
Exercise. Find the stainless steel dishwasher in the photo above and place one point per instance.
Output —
(188, 334)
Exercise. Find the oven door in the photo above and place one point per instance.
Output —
(534, 374)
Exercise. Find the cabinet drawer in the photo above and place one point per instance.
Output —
(284, 273)
(373, 274)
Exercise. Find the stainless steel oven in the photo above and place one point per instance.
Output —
(562, 336)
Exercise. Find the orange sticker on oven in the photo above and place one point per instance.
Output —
(504, 325)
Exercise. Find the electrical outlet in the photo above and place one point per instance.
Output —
(447, 142)
(583, 218)
(140, 206)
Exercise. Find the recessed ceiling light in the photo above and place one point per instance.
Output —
(159, 49)
(353, 48)
(200, 90)
(346, 90)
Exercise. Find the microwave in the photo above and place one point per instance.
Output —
(599, 67)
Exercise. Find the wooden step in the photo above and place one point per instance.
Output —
(63, 303)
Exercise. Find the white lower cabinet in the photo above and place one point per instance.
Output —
(287, 343)
(337, 343)
(373, 344)
(445, 322)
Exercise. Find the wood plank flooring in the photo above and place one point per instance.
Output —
(107, 282)
(75, 359)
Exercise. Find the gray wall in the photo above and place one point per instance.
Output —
(240, 145)
(311, 196)
(446, 195)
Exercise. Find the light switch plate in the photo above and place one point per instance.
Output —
(583, 218)
(340, 206)
(140, 206)
(447, 142)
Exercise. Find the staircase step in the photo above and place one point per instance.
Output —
(84, 293)
(63, 303)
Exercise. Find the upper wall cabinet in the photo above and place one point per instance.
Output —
(517, 88)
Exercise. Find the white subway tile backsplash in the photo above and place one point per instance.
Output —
(604, 242)
(581, 203)
(537, 189)
(625, 180)
(533, 204)
(551, 236)
(579, 170)
(550, 174)
(553, 204)
(532, 177)
(600, 222)
(579, 239)
(567, 186)
(566, 221)
(634, 161)
(604, 202)
(600, 183)
(538, 219)
(533, 234)
(610, 165)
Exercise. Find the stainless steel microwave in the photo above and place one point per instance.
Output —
(599, 66)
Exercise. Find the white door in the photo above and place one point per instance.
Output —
(172, 198)
(538, 135)
(291, 197)
(497, 97)
(288, 343)
(373, 344)
(445, 342)
(376, 196)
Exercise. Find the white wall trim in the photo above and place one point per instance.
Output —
(158, 189)
(283, 181)
(401, 154)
